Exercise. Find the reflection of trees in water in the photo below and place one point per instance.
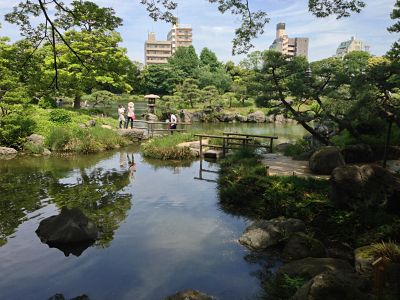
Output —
(97, 194)
(174, 165)
(20, 194)
(25, 183)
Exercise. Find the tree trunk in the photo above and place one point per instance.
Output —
(387, 143)
(77, 101)
(297, 116)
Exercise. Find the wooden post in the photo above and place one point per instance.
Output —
(271, 141)
(223, 147)
(201, 147)
(379, 275)
(148, 129)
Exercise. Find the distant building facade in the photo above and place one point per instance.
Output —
(156, 52)
(289, 46)
(180, 36)
(349, 46)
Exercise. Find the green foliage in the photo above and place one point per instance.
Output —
(389, 250)
(83, 140)
(165, 147)
(299, 147)
(33, 148)
(185, 60)
(15, 127)
(60, 116)
(47, 102)
(208, 58)
(58, 138)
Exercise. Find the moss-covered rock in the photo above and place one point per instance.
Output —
(300, 245)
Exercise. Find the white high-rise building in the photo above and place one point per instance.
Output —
(180, 36)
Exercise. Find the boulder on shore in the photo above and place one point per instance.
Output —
(263, 234)
(360, 153)
(300, 245)
(189, 295)
(325, 160)
(256, 117)
(70, 227)
(309, 267)
(240, 118)
(36, 139)
(7, 151)
(332, 285)
(133, 134)
(150, 117)
(367, 186)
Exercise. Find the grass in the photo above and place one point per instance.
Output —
(83, 140)
(165, 147)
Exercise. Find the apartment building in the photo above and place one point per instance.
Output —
(289, 46)
(180, 36)
(349, 46)
(156, 52)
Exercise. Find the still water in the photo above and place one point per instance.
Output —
(161, 230)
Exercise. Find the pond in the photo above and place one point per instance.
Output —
(161, 230)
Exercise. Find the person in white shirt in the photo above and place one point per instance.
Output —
(173, 121)
(121, 116)
(131, 114)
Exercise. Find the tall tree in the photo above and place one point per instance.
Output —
(189, 91)
(208, 58)
(185, 59)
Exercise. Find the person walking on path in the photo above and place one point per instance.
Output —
(131, 114)
(121, 116)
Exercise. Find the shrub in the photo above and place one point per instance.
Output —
(165, 147)
(33, 148)
(58, 138)
(297, 148)
(47, 102)
(389, 250)
(60, 116)
(14, 128)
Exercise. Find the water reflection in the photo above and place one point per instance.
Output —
(28, 184)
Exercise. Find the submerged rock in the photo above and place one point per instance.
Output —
(263, 234)
(70, 231)
(189, 295)
(325, 160)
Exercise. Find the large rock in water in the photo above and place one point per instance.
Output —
(263, 234)
(300, 245)
(332, 285)
(225, 117)
(367, 186)
(68, 228)
(325, 160)
(189, 295)
(186, 116)
(240, 118)
(256, 117)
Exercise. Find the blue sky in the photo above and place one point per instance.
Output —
(213, 30)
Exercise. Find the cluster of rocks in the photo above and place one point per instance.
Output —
(331, 271)
(133, 134)
(210, 115)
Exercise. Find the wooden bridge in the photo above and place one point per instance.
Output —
(230, 141)
(152, 127)
(234, 141)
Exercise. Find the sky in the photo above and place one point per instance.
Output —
(215, 31)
